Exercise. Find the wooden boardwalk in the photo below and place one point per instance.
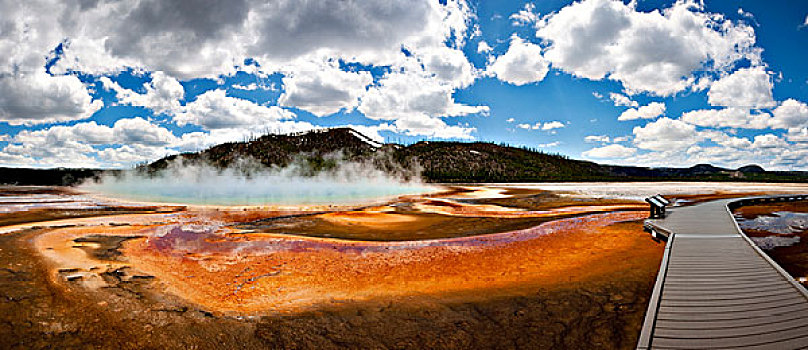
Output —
(717, 290)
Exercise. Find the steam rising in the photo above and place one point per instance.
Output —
(251, 183)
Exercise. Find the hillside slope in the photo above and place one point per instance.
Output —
(444, 161)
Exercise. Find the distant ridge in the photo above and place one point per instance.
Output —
(452, 161)
(438, 161)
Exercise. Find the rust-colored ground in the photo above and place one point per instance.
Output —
(284, 277)
(523, 269)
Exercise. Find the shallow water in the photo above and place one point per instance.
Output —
(779, 222)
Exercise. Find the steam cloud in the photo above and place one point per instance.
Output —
(251, 183)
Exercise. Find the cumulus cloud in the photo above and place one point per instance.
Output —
(552, 125)
(131, 154)
(597, 138)
(649, 111)
(790, 114)
(323, 89)
(655, 52)
(546, 126)
(666, 134)
(215, 110)
(549, 144)
(38, 98)
(610, 151)
(745, 88)
(417, 102)
(163, 93)
(622, 100)
(769, 141)
(420, 125)
(525, 16)
(728, 117)
(76, 145)
(483, 47)
(521, 64)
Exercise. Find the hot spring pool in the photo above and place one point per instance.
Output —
(256, 193)
(213, 188)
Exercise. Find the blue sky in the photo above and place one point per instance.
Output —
(655, 83)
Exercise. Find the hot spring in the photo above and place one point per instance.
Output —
(347, 184)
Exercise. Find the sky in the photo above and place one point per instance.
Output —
(111, 84)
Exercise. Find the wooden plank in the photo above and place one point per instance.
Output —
(800, 331)
(734, 323)
(729, 332)
(719, 309)
(724, 316)
(708, 304)
(677, 273)
(729, 290)
(700, 269)
(736, 295)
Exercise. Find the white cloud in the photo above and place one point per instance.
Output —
(790, 114)
(421, 125)
(650, 111)
(597, 138)
(131, 154)
(745, 14)
(215, 110)
(725, 140)
(769, 141)
(547, 126)
(655, 52)
(163, 93)
(450, 66)
(550, 144)
(323, 89)
(483, 47)
(552, 125)
(74, 146)
(797, 135)
(728, 117)
(521, 64)
(416, 102)
(37, 98)
(666, 134)
(139, 131)
(510, 120)
(610, 151)
(252, 87)
(622, 100)
(525, 16)
(749, 88)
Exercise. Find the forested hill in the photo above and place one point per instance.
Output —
(435, 161)
(445, 161)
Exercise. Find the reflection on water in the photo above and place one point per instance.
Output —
(780, 222)
(784, 225)
(771, 242)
